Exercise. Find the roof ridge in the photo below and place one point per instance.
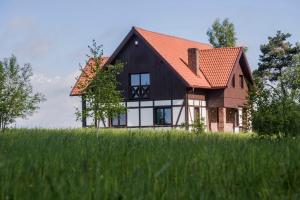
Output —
(220, 48)
(173, 36)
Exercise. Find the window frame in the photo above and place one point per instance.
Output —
(142, 91)
(233, 81)
(141, 74)
(230, 115)
(163, 108)
(119, 117)
(241, 81)
(139, 80)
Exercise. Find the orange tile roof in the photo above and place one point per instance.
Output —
(175, 51)
(85, 77)
(215, 63)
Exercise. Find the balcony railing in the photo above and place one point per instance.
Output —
(139, 92)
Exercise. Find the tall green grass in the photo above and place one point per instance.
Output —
(120, 164)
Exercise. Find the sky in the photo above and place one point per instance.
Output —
(53, 35)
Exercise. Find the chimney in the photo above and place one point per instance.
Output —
(194, 60)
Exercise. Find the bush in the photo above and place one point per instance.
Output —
(198, 126)
(269, 120)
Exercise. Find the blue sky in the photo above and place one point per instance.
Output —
(53, 36)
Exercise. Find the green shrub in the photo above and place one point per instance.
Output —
(269, 120)
(198, 126)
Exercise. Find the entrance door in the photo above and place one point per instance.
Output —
(213, 119)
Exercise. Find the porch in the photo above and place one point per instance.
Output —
(226, 119)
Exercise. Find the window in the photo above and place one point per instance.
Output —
(233, 81)
(139, 86)
(236, 118)
(145, 79)
(163, 116)
(242, 81)
(119, 120)
(230, 115)
(135, 79)
(196, 113)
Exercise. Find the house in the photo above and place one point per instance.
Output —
(168, 81)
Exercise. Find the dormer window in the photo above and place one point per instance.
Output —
(139, 86)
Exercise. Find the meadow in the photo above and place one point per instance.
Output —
(145, 164)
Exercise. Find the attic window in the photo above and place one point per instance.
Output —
(242, 81)
(136, 42)
(233, 81)
(139, 86)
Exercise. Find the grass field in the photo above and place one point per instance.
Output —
(118, 164)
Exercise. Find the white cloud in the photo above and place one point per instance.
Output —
(34, 47)
(58, 111)
(20, 23)
(25, 38)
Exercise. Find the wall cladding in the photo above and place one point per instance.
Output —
(141, 113)
(199, 104)
(178, 115)
(133, 117)
(146, 116)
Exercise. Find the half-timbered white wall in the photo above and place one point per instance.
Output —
(202, 110)
(104, 123)
(90, 121)
(162, 103)
(146, 116)
(178, 115)
(141, 113)
(132, 117)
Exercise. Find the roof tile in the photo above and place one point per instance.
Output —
(85, 77)
(175, 51)
(217, 64)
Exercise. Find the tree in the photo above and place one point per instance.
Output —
(16, 94)
(222, 34)
(276, 94)
(103, 99)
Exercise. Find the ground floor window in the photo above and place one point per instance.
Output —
(119, 120)
(230, 115)
(162, 116)
(196, 114)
